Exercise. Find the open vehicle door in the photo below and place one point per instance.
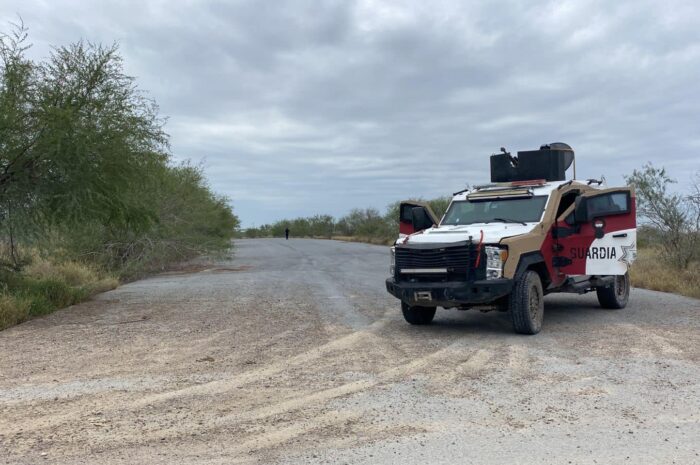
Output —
(415, 216)
(599, 237)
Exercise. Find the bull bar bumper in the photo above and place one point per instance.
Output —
(449, 294)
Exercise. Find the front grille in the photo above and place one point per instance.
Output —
(458, 260)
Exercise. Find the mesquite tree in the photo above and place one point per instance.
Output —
(82, 148)
(675, 216)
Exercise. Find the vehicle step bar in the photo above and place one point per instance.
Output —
(588, 285)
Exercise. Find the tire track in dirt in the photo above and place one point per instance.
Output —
(471, 366)
(449, 362)
(223, 386)
(317, 398)
(216, 387)
(280, 436)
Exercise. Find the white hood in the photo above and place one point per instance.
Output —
(493, 233)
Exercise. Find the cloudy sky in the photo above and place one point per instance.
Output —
(303, 107)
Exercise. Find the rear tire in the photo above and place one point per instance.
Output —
(417, 315)
(617, 294)
(527, 304)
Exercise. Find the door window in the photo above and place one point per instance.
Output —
(566, 201)
(613, 203)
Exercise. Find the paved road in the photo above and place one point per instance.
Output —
(293, 353)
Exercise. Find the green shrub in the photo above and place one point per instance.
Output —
(88, 183)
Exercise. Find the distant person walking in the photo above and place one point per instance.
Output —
(286, 233)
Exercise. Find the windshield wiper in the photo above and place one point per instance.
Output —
(508, 220)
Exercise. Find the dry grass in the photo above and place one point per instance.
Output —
(651, 271)
(74, 274)
(13, 310)
(44, 286)
(104, 285)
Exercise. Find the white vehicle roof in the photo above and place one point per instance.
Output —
(537, 188)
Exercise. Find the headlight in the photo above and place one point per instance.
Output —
(392, 263)
(495, 258)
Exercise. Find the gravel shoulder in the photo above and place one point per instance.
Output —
(293, 353)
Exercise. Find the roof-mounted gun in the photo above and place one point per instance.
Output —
(550, 162)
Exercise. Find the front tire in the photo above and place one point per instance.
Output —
(527, 304)
(617, 294)
(417, 315)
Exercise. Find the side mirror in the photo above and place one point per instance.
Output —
(581, 210)
(421, 219)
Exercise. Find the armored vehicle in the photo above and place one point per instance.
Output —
(506, 244)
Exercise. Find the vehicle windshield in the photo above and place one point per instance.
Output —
(495, 211)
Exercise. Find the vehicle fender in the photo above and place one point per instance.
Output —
(528, 260)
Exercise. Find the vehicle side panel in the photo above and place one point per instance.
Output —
(581, 253)
(540, 238)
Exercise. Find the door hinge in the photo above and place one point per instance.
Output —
(559, 262)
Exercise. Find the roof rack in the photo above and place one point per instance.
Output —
(504, 192)
(530, 182)
(511, 185)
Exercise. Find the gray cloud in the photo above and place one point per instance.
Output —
(302, 107)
